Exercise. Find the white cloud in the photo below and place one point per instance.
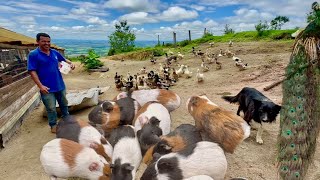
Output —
(25, 20)
(36, 8)
(77, 27)
(79, 11)
(176, 13)
(134, 5)
(197, 7)
(138, 18)
(95, 20)
(56, 28)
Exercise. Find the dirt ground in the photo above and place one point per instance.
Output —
(266, 60)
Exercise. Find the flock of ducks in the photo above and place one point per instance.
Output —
(171, 70)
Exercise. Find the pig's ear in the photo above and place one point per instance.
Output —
(165, 164)
(128, 167)
(94, 145)
(143, 120)
(94, 166)
(166, 147)
(194, 100)
(156, 156)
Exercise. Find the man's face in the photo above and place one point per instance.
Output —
(44, 43)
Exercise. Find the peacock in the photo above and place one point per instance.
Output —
(300, 113)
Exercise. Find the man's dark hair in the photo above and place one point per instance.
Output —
(42, 34)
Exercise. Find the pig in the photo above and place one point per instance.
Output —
(202, 158)
(80, 131)
(149, 134)
(166, 97)
(126, 156)
(153, 109)
(113, 114)
(199, 177)
(62, 158)
(177, 140)
(217, 124)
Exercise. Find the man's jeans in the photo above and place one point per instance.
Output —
(49, 100)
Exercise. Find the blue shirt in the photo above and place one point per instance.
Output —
(47, 68)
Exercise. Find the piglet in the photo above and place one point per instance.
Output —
(111, 114)
(200, 177)
(183, 136)
(202, 158)
(80, 131)
(62, 158)
(153, 109)
(217, 124)
(166, 97)
(126, 153)
(149, 134)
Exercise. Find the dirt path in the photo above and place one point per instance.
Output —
(20, 158)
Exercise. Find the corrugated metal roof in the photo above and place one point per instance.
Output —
(10, 37)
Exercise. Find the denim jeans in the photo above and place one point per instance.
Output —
(49, 101)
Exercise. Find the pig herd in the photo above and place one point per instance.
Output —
(135, 127)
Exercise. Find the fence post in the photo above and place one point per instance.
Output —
(158, 40)
(174, 39)
(189, 35)
(205, 31)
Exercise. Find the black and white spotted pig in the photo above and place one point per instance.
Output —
(126, 156)
(202, 158)
(82, 132)
(183, 136)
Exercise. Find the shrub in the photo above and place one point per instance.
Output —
(91, 61)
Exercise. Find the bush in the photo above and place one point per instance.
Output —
(91, 61)
(261, 27)
(158, 52)
(184, 43)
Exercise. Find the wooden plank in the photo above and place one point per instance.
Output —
(7, 91)
(12, 107)
(8, 130)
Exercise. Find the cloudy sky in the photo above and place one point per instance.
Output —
(95, 19)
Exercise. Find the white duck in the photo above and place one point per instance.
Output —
(200, 76)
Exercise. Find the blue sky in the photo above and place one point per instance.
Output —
(95, 19)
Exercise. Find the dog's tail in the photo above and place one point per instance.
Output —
(231, 99)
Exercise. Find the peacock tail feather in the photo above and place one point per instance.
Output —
(300, 112)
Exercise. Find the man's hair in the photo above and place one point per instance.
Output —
(42, 34)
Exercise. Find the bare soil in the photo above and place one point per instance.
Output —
(266, 60)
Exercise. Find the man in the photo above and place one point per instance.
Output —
(43, 66)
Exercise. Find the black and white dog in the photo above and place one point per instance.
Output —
(255, 106)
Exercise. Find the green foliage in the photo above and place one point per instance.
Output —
(184, 43)
(228, 30)
(158, 52)
(261, 27)
(80, 58)
(91, 61)
(122, 40)
(278, 22)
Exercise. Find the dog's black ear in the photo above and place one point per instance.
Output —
(278, 108)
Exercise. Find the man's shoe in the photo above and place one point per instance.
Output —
(54, 129)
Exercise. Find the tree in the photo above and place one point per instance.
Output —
(122, 40)
(228, 30)
(261, 27)
(278, 22)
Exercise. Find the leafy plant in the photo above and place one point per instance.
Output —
(228, 30)
(261, 27)
(122, 40)
(278, 22)
(91, 61)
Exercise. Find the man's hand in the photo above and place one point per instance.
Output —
(44, 89)
(72, 66)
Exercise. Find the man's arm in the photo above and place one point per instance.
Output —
(35, 78)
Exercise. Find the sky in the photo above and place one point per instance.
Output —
(95, 19)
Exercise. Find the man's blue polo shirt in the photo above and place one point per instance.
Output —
(47, 68)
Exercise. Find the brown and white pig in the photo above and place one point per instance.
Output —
(202, 158)
(62, 158)
(168, 98)
(126, 156)
(177, 140)
(149, 134)
(217, 124)
(153, 109)
(113, 114)
(82, 132)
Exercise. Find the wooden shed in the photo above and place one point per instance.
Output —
(18, 93)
